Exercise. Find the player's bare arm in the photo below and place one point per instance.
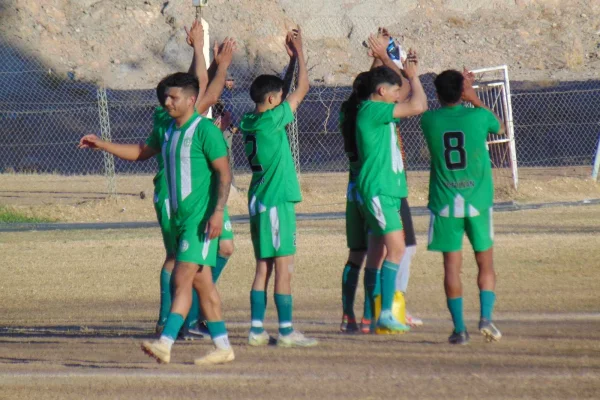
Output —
(223, 58)
(418, 101)
(378, 50)
(289, 74)
(470, 95)
(297, 47)
(215, 223)
(195, 38)
(129, 152)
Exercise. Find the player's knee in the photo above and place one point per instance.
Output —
(226, 248)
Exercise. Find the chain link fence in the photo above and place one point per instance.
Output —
(43, 115)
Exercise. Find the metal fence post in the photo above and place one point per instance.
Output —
(109, 160)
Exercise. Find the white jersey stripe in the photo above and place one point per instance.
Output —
(173, 170)
(186, 162)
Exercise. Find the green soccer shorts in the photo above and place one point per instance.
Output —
(194, 246)
(446, 234)
(273, 231)
(382, 214)
(357, 231)
(163, 215)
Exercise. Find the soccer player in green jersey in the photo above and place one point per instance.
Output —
(381, 181)
(461, 193)
(272, 195)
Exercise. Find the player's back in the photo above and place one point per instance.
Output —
(267, 148)
(460, 181)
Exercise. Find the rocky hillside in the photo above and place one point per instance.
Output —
(132, 43)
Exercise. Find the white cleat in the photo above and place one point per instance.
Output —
(259, 339)
(217, 356)
(296, 339)
(411, 320)
(159, 350)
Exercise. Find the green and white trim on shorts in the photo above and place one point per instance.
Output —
(162, 208)
(446, 233)
(273, 230)
(194, 246)
(382, 214)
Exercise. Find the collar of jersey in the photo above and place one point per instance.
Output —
(453, 108)
(187, 123)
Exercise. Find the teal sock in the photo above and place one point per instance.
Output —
(218, 269)
(283, 302)
(455, 306)
(218, 334)
(165, 296)
(173, 325)
(372, 289)
(258, 305)
(192, 318)
(487, 299)
(389, 270)
(349, 283)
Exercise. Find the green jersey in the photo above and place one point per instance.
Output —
(460, 180)
(161, 122)
(188, 152)
(381, 165)
(274, 179)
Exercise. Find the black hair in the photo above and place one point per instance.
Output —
(360, 92)
(186, 81)
(160, 92)
(382, 75)
(449, 86)
(263, 85)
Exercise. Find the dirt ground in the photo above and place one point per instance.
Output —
(75, 306)
(84, 198)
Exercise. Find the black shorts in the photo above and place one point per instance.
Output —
(407, 223)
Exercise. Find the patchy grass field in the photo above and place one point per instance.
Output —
(76, 304)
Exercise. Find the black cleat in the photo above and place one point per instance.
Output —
(459, 338)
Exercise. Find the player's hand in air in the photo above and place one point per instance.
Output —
(377, 49)
(469, 93)
(288, 44)
(224, 53)
(293, 42)
(195, 35)
(214, 227)
(411, 64)
(90, 142)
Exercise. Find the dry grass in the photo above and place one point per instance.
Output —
(76, 304)
(83, 198)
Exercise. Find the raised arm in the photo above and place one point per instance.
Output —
(223, 58)
(470, 95)
(378, 50)
(129, 152)
(295, 43)
(215, 223)
(289, 73)
(195, 38)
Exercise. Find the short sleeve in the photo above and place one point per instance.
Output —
(381, 112)
(213, 146)
(159, 119)
(492, 122)
(282, 115)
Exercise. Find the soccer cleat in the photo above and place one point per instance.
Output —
(203, 329)
(217, 356)
(159, 350)
(412, 320)
(348, 325)
(489, 330)
(365, 326)
(191, 334)
(295, 339)
(259, 339)
(387, 322)
(459, 338)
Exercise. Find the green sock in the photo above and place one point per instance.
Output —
(218, 269)
(349, 283)
(283, 302)
(165, 296)
(218, 334)
(389, 270)
(372, 289)
(258, 305)
(192, 318)
(455, 306)
(486, 300)
(173, 325)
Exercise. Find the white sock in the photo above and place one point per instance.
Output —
(169, 341)
(222, 342)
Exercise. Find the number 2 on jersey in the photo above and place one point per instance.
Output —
(254, 167)
(454, 144)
